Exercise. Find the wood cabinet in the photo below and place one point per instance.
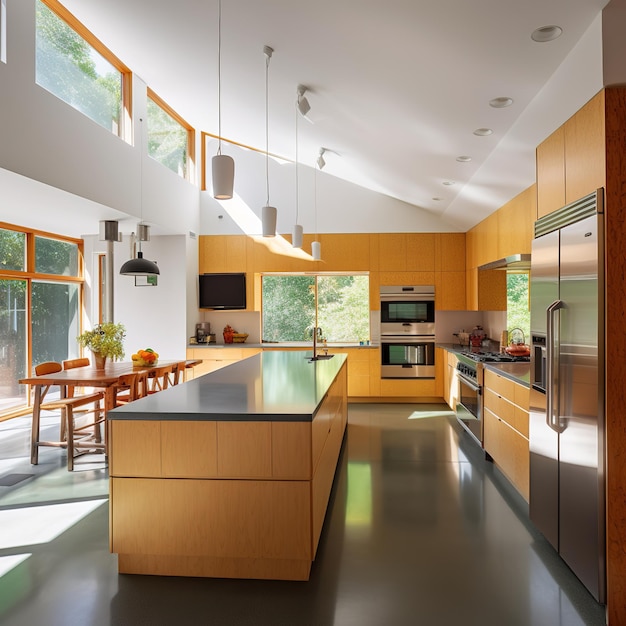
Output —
(223, 498)
(571, 162)
(450, 379)
(216, 358)
(506, 428)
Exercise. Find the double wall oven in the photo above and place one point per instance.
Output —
(407, 331)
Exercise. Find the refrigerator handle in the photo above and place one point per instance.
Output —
(552, 367)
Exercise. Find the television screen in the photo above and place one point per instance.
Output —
(222, 291)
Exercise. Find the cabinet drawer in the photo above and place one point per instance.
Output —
(501, 385)
(521, 396)
(500, 406)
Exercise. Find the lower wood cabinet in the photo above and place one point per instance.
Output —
(506, 428)
(216, 358)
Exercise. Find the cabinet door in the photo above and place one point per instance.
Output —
(551, 173)
(585, 162)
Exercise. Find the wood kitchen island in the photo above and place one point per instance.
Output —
(229, 474)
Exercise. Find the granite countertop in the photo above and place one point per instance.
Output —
(270, 386)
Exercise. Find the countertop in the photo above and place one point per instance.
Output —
(270, 386)
(518, 371)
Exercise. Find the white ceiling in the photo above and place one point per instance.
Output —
(396, 88)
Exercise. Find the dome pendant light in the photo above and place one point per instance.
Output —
(222, 165)
(268, 213)
(296, 240)
(140, 266)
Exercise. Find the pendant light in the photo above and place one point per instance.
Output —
(268, 213)
(140, 266)
(222, 165)
(316, 246)
(296, 240)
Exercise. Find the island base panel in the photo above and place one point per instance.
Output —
(166, 565)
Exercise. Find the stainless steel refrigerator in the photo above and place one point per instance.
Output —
(567, 465)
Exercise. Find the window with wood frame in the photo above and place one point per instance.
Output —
(76, 67)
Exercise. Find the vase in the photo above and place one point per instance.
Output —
(99, 360)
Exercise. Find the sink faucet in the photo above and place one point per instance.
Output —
(317, 331)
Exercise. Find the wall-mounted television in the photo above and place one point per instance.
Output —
(222, 291)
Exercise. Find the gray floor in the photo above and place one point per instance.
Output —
(420, 530)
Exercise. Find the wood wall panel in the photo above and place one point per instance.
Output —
(450, 252)
(346, 253)
(392, 253)
(615, 238)
(420, 250)
(516, 223)
(450, 291)
(406, 278)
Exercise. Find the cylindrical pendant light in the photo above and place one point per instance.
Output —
(296, 240)
(223, 170)
(268, 221)
(222, 165)
(316, 251)
(268, 213)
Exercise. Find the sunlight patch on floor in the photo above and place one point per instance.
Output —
(41, 524)
(418, 415)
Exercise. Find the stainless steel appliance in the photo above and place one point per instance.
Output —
(470, 376)
(567, 462)
(407, 331)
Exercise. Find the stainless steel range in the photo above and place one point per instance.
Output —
(470, 375)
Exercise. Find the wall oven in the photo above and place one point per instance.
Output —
(407, 356)
(407, 331)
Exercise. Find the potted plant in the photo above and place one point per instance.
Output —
(105, 341)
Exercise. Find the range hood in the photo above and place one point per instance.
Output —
(513, 263)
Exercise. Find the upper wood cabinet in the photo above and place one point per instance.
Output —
(571, 162)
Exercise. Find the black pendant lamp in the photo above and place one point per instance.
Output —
(139, 266)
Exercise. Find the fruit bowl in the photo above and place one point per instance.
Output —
(145, 358)
(239, 337)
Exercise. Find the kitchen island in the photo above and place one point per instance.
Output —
(229, 474)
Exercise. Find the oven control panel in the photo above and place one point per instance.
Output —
(467, 370)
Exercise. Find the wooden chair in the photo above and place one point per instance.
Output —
(72, 435)
(132, 387)
(158, 379)
(175, 375)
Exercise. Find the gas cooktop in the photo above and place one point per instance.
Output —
(493, 357)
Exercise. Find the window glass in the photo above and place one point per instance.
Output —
(54, 321)
(12, 250)
(3, 31)
(167, 139)
(518, 303)
(53, 256)
(293, 304)
(12, 343)
(70, 68)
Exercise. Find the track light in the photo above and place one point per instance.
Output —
(303, 104)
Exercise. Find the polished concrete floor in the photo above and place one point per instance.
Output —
(420, 531)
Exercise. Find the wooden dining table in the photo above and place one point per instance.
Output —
(88, 376)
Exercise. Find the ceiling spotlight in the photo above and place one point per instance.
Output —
(464, 159)
(320, 159)
(483, 132)
(546, 33)
(448, 183)
(436, 199)
(303, 104)
(501, 103)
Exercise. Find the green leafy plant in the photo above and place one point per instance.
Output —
(105, 339)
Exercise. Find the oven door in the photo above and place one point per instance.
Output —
(469, 409)
(407, 357)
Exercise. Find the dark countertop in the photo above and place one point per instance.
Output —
(271, 386)
(300, 345)
(518, 371)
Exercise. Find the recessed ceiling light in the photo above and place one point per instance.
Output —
(448, 183)
(483, 132)
(436, 199)
(464, 159)
(546, 33)
(501, 103)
